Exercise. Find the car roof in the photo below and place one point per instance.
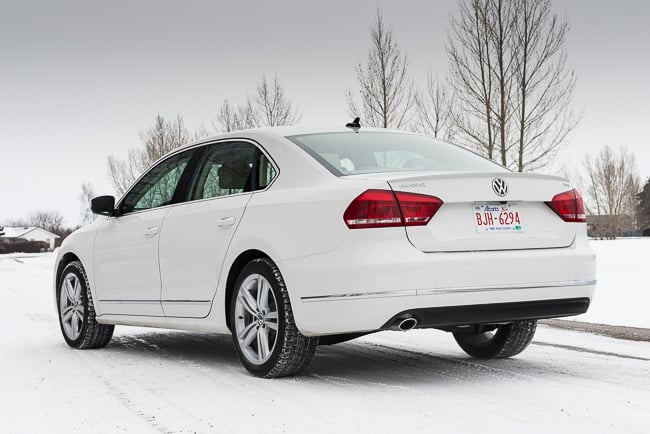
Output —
(285, 131)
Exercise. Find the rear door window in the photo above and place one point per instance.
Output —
(231, 168)
(227, 169)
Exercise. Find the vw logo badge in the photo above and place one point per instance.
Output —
(500, 187)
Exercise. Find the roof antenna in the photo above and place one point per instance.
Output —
(355, 125)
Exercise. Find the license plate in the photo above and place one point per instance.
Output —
(497, 218)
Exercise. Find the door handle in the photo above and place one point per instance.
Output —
(226, 221)
(150, 232)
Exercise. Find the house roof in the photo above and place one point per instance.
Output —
(21, 231)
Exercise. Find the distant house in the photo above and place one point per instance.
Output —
(30, 233)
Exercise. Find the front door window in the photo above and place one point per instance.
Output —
(158, 186)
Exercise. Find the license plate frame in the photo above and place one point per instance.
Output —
(497, 218)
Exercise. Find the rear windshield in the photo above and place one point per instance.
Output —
(375, 152)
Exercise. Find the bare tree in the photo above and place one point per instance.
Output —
(15, 223)
(226, 120)
(270, 105)
(230, 118)
(509, 69)
(472, 76)
(433, 107)
(385, 89)
(612, 187)
(643, 209)
(48, 220)
(201, 132)
(158, 140)
(86, 196)
(163, 137)
(631, 205)
(122, 173)
(544, 84)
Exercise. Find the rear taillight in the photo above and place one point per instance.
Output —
(569, 206)
(373, 209)
(417, 209)
(384, 208)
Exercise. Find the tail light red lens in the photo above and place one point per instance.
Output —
(417, 209)
(569, 206)
(373, 209)
(383, 208)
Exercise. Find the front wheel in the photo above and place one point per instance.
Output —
(505, 341)
(264, 332)
(77, 311)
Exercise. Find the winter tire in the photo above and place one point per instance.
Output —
(264, 332)
(506, 341)
(77, 311)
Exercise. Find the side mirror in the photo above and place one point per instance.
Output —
(103, 205)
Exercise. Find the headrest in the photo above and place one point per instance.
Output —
(233, 175)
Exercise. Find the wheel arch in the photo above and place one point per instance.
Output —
(238, 264)
(65, 259)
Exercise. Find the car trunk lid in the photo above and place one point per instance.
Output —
(526, 221)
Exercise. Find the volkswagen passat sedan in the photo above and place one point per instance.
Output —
(287, 238)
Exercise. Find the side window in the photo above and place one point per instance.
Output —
(227, 168)
(266, 172)
(157, 187)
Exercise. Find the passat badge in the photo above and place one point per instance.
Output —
(500, 187)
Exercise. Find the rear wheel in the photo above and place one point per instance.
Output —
(77, 311)
(505, 341)
(264, 333)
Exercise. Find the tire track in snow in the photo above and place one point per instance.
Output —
(200, 358)
(486, 371)
(423, 360)
(118, 392)
(587, 350)
(392, 357)
(154, 403)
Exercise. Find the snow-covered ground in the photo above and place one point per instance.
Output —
(623, 290)
(150, 380)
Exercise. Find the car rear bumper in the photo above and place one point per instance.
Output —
(370, 280)
(492, 313)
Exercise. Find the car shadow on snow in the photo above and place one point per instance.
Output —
(372, 363)
(352, 362)
(176, 346)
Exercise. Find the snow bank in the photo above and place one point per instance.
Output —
(623, 290)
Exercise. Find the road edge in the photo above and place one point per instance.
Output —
(618, 332)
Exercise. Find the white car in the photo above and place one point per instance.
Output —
(290, 237)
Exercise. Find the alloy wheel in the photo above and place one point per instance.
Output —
(256, 319)
(71, 306)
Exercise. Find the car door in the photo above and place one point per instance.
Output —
(196, 234)
(127, 274)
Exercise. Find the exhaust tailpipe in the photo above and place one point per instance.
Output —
(404, 324)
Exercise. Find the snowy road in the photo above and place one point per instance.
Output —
(161, 381)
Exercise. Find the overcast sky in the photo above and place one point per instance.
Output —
(80, 79)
